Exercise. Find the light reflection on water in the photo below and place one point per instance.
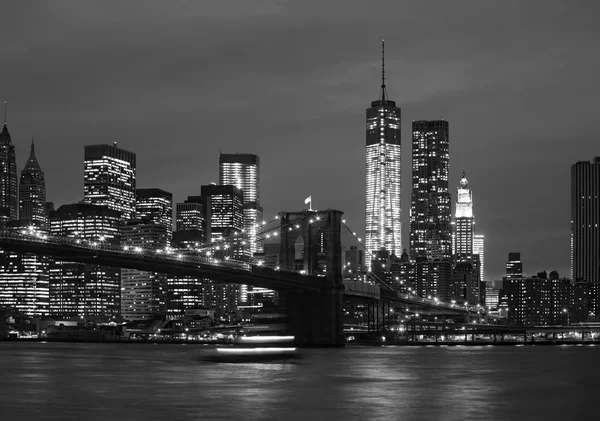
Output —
(53, 381)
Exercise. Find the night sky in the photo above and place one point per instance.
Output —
(178, 81)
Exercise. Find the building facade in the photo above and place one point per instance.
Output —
(224, 211)
(430, 225)
(479, 250)
(383, 194)
(585, 233)
(143, 293)
(32, 193)
(8, 179)
(464, 223)
(109, 178)
(78, 289)
(243, 171)
(24, 282)
(155, 206)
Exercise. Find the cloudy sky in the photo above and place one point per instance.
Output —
(178, 81)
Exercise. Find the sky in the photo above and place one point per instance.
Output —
(177, 82)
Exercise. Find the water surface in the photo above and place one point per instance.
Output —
(60, 381)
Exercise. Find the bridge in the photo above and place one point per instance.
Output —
(313, 295)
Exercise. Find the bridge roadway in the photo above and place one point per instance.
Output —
(227, 271)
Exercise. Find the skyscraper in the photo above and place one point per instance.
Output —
(430, 229)
(585, 233)
(478, 250)
(8, 177)
(155, 206)
(463, 223)
(109, 178)
(243, 171)
(78, 289)
(143, 293)
(383, 174)
(514, 266)
(32, 193)
(224, 210)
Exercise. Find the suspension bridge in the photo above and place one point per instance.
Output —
(310, 274)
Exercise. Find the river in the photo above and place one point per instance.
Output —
(66, 381)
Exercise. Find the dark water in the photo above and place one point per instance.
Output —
(53, 381)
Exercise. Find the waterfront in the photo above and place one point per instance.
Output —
(73, 381)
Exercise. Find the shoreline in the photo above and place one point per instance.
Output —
(348, 344)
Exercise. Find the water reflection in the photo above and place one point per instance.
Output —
(168, 382)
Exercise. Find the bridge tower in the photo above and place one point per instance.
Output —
(316, 317)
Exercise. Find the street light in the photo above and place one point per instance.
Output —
(568, 316)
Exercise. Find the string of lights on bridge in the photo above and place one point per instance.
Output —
(226, 243)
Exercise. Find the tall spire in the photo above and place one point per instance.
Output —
(32, 146)
(383, 93)
(5, 128)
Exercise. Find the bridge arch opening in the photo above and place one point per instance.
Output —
(299, 253)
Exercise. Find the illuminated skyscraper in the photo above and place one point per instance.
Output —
(78, 289)
(143, 293)
(430, 228)
(24, 281)
(32, 193)
(383, 174)
(8, 177)
(109, 178)
(243, 171)
(155, 206)
(224, 219)
(478, 250)
(224, 210)
(463, 223)
(585, 231)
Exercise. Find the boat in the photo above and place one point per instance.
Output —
(236, 354)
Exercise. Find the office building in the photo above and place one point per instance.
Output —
(224, 211)
(430, 225)
(78, 289)
(514, 266)
(8, 181)
(109, 178)
(243, 171)
(585, 233)
(24, 280)
(383, 200)
(478, 250)
(155, 206)
(143, 293)
(464, 223)
(33, 209)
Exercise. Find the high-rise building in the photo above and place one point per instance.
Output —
(514, 266)
(143, 293)
(243, 171)
(109, 178)
(32, 193)
(383, 175)
(8, 178)
(224, 211)
(190, 215)
(24, 280)
(585, 233)
(155, 206)
(463, 223)
(478, 250)
(430, 228)
(78, 289)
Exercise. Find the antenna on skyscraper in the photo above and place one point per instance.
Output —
(5, 112)
(383, 92)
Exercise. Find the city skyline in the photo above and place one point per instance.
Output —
(345, 66)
